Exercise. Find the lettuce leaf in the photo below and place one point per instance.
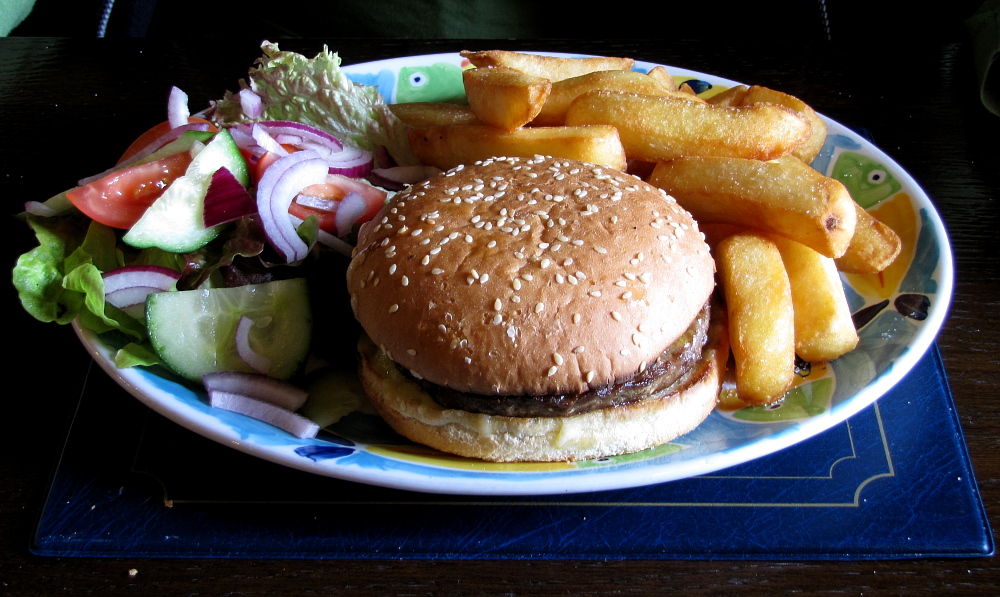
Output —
(316, 92)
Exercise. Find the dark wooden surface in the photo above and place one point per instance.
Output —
(68, 106)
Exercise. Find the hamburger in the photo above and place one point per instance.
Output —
(537, 310)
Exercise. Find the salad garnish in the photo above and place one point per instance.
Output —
(252, 191)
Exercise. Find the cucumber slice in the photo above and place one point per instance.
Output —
(194, 331)
(175, 221)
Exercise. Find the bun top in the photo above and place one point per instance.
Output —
(529, 276)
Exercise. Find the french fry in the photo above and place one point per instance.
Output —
(448, 146)
(504, 97)
(742, 96)
(873, 247)
(553, 113)
(784, 197)
(660, 74)
(655, 128)
(420, 114)
(824, 329)
(761, 318)
(553, 68)
(732, 97)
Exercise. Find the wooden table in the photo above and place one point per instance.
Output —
(67, 106)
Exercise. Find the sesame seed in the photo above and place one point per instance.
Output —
(627, 295)
(590, 376)
(616, 316)
(576, 318)
(539, 307)
(552, 370)
(557, 358)
(484, 278)
(437, 271)
(393, 308)
(425, 260)
(601, 250)
(516, 284)
(392, 269)
(497, 319)
(405, 281)
(579, 350)
(411, 352)
(595, 293)
(497, 304)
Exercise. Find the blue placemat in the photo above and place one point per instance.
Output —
(892, 482)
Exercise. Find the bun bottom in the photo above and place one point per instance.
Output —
(414, 414)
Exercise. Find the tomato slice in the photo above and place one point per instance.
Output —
(120, 198)
(155, 133)
(334, 189)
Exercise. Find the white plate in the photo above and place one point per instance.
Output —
(906, 306)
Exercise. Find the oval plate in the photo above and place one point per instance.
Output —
(899, 314)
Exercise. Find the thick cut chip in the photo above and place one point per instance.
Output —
(784, 197)
(553, 68)
(504, 97)
(564, 92)
(448, 146)
(657, 128)
(761, 318)
(433, 114)
(741, 96)
(824, 329)
(873, 247)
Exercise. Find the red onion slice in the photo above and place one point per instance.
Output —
(329, 240)
(266, 141)
(149, 276)
(226, 199)
(271, 134)
(127, 287)
(350, 210)
(399, 177)
(285, 420)
(279, 185)
(257, 361)
(251, 103)
(317, 203)
(177, 108)
(261, 387)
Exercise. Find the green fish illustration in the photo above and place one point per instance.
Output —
(439, 82)
(801, 402)
(868, 181)
(661, 450)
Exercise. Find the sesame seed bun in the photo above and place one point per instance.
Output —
(529, 277)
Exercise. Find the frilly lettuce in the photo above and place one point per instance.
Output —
(316, 92)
